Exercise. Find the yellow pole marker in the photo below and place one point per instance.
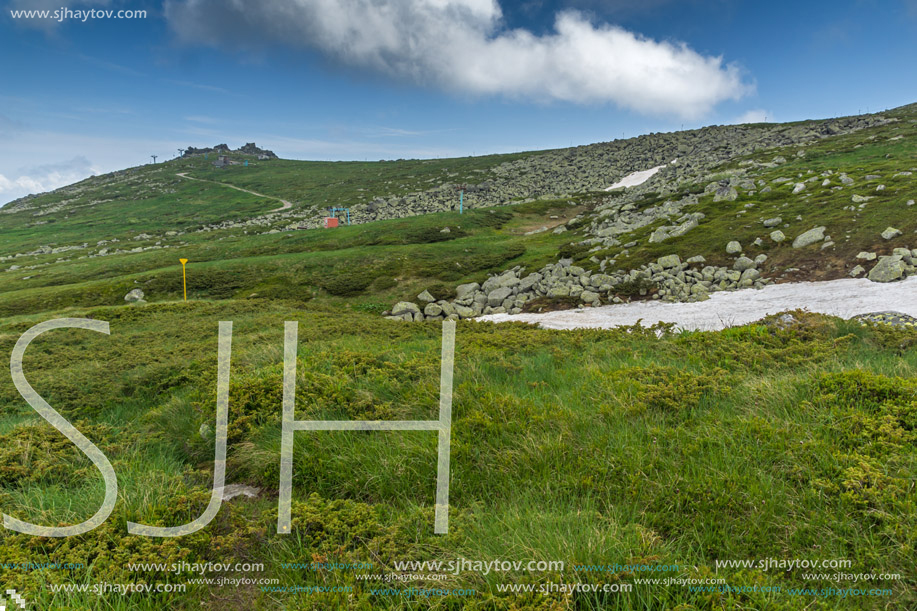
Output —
(184, 282)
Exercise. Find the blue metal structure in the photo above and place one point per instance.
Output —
(346, 211)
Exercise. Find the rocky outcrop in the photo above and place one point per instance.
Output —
(668, 279)
(250, 148)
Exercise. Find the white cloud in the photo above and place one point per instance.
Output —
(461, 46)
(39, 179)
(756, 115)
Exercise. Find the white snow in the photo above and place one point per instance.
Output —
(636, 178)
(844, 298)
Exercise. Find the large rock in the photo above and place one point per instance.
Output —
(496, 296)
(728, 194)
(405, 307)
(669, 261)
(742, 264)
(891, 233)
(464, 290)
(816, 234)
(664, 233)
(733, 248)
(432, 309)
(888, 269)
(773, 222)
(778, 236)
(464, 311)
(134, 296)
(750, 274)
(426, 297)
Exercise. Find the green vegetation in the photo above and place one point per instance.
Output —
(591, 447)
(628, 446)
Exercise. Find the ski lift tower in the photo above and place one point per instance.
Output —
(332, 220)
(461, 190)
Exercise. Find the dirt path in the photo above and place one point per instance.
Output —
(286, 205)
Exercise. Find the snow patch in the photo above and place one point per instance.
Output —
(638, 178)
(845, 298)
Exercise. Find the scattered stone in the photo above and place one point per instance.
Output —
(669, 261)
(733, 248)
(742, 264)
(773, 222)
(891, 233)
(728, 194)
(888, 269)
(405, 307)
(134, 296)
(464, 290)
(857, 271)
(866, 256)
(426, 297)
(816, 234)
(777, 236)
(799, 188)
(498, 296)
(895, 319)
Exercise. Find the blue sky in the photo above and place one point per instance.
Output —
(386, 79)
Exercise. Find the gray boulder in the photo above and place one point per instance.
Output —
(465, 290)
(405, 307)
(891, 233)
(742, 264)
(464, 311)
(778, 236)
(432, 309)
(733, 248)
(728, 194)
(426, 297)
(773, 222)
(496, 296)
(669, 261)
(134, 296)
(811, 236)
(888, 269)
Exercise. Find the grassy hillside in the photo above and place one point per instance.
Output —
(643, 447)
(590, 447)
